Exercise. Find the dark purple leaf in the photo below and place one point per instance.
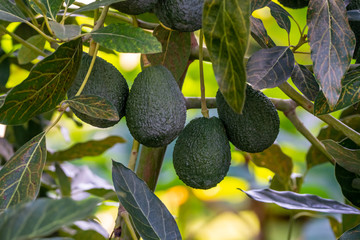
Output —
(281, 16)
(259, 33)
(305, 81)
(257, 4)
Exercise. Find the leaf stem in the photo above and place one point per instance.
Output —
(48, 38)
(55, 122)
(133, 155)
(309, 106)
(125, 216)
(204, 109)
(101, 20)
(44, 11)
(89, 71)
(23, 42)
(22, 6)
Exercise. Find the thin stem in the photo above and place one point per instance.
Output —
(194, 54)
(292, 116)
(101, 20)
(134, 21)
(48, 38)
(89, 71)
(125, 216)
(330, 120)
(23, 42)
(204, 109)
(55, 122)
(43, 10)
(195, 102)
(64, 14)
(22, 6)
(133, 155)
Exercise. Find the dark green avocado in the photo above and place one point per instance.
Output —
(294, 4)
(135, 7)
(202, 153)
(105, 81)
(155, 109)
(256, 128)
(180, 15)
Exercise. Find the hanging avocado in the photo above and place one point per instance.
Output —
(155, 109)
(202, 153)
(256, 128)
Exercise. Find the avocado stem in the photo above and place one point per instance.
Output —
(204, 109)
(133, 155)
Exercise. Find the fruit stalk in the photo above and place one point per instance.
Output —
(204, 109)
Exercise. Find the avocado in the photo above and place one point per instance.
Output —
(105, 81)
(256, 128)
(181, 15)
(155, 109)
(134, 7)
(202, 154)
(294, 4)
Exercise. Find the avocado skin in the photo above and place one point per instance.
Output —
(104, 81)
(256, 128)
(202, 154)
(155, 109)
(180, 15)
(135, 7)
(295, 4)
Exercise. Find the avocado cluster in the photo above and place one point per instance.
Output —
(180, 15)
(105, 81)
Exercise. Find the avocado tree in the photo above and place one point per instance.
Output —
(67, 78)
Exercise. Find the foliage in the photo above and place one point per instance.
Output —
(43, 195)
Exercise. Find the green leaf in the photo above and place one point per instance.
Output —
(4, 69)
(45, 86)
(281, 16)
(226, 28)
(63, 181)
(10, 13)
(332, 44)
(305, 81)
(345, 157)
(26, 54)
(257, 4)
(259, 33)
(314, 156)
(94, 106)
(42, 217)
(274, 159)
(268, 68)
(346, 179)
(107, 194)
(291, 200)
(86, 149)
(175, 53)
(20, 177)
(350, 94)
(351, 234)
(69, 2)
(96, 4)
(143, 205)
(88, 235)
(65, 32)
(52, 7)
(123, 37)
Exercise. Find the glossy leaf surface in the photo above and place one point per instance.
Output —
(45, 86)
(42, 217)
(85, 149)
(65, 32)
(226, 29)
(305, 81)
(94, 106)
(268, 68)
(10, 13)
(175, 53)
(144, 207)
(20, 177)
(292, 200)
(332, 44)
(351, 234)
(350, 94)
(345, 157)
(52, 7)
(259, 33)
(346, 179)
(123, 37)
(281, 16)
(25, 54)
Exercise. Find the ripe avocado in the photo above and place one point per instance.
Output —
(134, 7)
(256, 128)
(155, 109)
(104, 81)
(294, 4)
(202, 153)
(181, 15)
